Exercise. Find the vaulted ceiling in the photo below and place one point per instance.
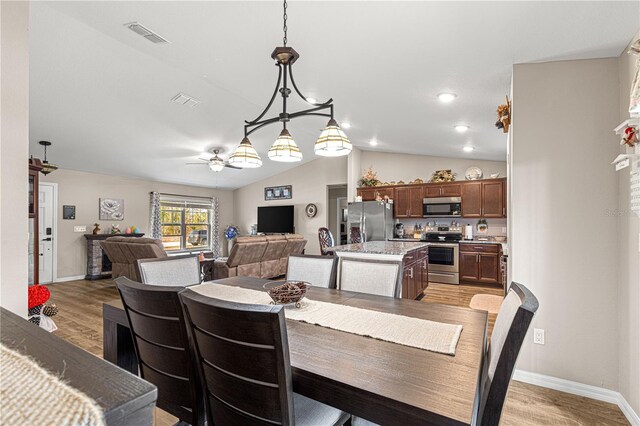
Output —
(102, 94)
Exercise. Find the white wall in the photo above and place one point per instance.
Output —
(406, 167)
(563, 243)
(629, 258)
(83, 190)
(309, 185)
(14, 154)
(353, 172)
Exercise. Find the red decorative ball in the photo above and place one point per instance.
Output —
(38, 294)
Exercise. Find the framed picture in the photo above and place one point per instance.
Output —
(111, 209)
(278, 193)
(69, 212)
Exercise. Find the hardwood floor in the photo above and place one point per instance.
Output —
(80, 322)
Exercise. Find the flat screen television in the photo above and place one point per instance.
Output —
(275, 219)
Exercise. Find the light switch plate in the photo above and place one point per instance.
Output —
(79, 229)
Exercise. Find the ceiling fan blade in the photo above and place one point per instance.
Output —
(233, 167)
(205, 157)
(196, 164)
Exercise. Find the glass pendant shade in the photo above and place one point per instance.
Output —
(48, 168)
(285, 149)
(332, 141)
(245, 156)
(216, 164)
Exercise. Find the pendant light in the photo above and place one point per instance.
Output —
(332, 141)
(46, 166)
(284, 149)
(245, 156)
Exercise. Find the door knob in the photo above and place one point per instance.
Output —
(46, 239)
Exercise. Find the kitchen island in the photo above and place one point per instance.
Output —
(413, 254)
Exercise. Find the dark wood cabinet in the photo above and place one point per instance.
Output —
(484, 198)
(493, 199)
(369, 194)
(480, 198)
(480, 263)
(408, 201)
(415, 274)
(433, 190)
(472, 199)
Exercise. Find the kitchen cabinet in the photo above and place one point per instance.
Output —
(484, 198)
(369, 194)
(434, 190)
(408, 201)
(480, 263)
(415, 274)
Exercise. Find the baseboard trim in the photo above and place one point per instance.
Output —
(65, 279)
(580, 389)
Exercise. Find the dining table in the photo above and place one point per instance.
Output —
(380, 381)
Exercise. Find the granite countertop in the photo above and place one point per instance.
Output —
(381, 247)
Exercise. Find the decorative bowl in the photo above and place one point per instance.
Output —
(286, 292)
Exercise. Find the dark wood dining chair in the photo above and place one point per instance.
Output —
(242, 355)
(176, 271)
(513, 321)
(326, 241)
(161, 343)
(356, 235)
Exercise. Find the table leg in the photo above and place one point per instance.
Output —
(117, 346)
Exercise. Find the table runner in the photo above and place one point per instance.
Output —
(31, 395)
(415, 332)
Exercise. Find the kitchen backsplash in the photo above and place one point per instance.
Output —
(496, 226)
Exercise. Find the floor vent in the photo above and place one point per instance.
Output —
(145, 32)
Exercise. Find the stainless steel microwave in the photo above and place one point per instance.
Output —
(442, 207)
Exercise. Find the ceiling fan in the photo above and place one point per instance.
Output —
(215, 162)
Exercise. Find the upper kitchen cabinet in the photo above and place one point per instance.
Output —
(484, 198)
(493, 203)
(442, 190)
(369, 194)
(408, 201)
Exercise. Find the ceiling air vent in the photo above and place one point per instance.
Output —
(145, 32)
(183, 99)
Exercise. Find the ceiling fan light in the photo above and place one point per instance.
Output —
(332, 142)
(284, 149)
(216, 164)
(245, 156)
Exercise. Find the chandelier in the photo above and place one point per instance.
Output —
(332, 142)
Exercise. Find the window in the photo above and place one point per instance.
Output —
(186, 223)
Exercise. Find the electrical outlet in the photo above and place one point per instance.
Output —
(79, 229)
(538, 336)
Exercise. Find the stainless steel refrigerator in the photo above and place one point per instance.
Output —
(374, 218)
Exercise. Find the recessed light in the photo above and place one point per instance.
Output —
(312, 100)
(447, 97)
(373, 142)
(468, 148)
(345, 125)
(461, 128)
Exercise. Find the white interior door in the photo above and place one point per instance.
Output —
(46, 211)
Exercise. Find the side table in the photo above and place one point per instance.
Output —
(206, 268)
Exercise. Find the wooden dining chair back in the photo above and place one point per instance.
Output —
(513, 320)
(242, 356)
(356, 235)
(243, 359)
(174, 271)
(160, 339)
(379, 277)
(326, 240)
(319, 271)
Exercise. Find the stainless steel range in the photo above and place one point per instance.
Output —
(444, 252)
